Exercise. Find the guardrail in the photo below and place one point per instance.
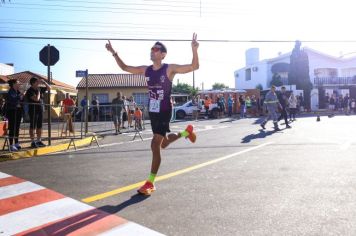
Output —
(67, 123)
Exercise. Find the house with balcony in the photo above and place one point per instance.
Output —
(328, 74)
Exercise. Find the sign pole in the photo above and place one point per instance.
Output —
(87, 102)
(49, 92)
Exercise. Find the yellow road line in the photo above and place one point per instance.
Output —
(167, 176)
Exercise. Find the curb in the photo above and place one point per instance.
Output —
(45, 150)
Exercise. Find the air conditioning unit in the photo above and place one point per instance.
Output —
(255, 68)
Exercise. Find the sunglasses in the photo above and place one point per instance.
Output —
(155, 49)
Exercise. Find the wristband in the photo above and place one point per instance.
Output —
(114, 54)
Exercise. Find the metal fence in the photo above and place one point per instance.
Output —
(67, 122)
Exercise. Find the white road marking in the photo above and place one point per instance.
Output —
(17, 189)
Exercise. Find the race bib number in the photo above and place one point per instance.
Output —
(155, 105)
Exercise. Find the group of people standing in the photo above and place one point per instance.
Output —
(122, 110)
(340, 103)
(15, 106)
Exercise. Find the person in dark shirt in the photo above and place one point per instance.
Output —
(283, 100)
(34, 96)
(95, 104)
(14, 113)
(2, 107)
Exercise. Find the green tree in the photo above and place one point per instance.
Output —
(259, 86)
(299, 72)
(183, 88)
(276, 80)
(218, 86)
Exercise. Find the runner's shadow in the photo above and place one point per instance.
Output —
(133, 200)
(259, 120)
(261, 134)
(76, 223)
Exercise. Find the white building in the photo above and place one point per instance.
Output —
(6, 69)
(328, 74)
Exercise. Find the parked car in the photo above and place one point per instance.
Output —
(187, 110)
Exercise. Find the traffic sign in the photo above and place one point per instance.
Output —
(81, 73)
(53, 55)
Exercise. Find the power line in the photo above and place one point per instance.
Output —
(97, 7)
(171, 12)
(117, 3)
(176, 40)
(96, 11)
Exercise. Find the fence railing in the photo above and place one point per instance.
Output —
(335, 81)
(66, 121)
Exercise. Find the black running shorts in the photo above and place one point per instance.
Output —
(160, 122)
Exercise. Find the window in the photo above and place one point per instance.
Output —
(141, 98)
(102, 97)
(248, 74)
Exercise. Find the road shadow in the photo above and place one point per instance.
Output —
(134, 199)
(81, 223)
(261, 134)
(259, 120)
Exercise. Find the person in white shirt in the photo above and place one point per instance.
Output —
(131, 106)
(292, 107)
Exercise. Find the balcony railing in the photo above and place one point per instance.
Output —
(335, 81)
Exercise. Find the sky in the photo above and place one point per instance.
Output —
(145, 21)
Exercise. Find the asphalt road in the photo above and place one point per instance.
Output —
(235, 180)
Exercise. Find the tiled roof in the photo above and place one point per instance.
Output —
(3, 79)
(25, 76)
(113, 81)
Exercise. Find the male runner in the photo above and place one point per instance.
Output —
(159, 80)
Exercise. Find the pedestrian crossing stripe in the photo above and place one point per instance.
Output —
(30, 209)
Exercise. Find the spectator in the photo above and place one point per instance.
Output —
(83, 104)
(131, 105)
(292, 107)
(327, 100)
(207, 103)
(138, 119)
(242, 106)
(221, 104)
(301, 102)
(353, 106)
(68, 104)
(230, 103)
(34, 96)
(248, 105)
(95, 103)
(196, 110)
(124, 114)
(332, 103)
(14, 113)
(2, 106)
(118, 106)
(68, 108)
(283, 101)
(346, 104)
(253, 106)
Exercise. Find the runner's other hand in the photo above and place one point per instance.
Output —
(109, 47)
(195, 43)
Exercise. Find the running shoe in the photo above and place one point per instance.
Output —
(192, 136)
(18, 146)
(13, 148)
(40, 144)
(147, 188)
(34, 144)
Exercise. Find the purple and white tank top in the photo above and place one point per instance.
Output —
(159, 89)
